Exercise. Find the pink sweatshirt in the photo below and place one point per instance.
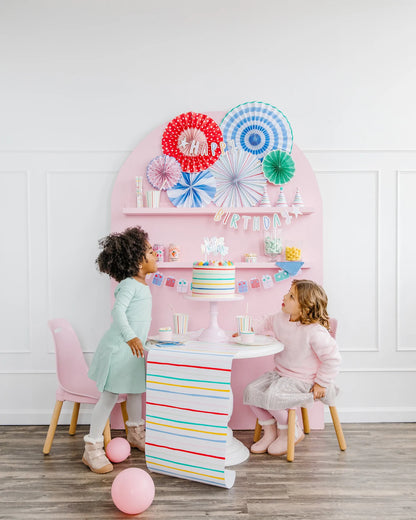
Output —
(310, 354)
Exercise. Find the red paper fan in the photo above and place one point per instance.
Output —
(194, 140)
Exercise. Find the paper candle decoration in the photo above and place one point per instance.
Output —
(265, 201)
(298, 199)
(281, 201)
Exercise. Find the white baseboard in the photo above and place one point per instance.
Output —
(373, 415)
(346, 415)
(35, 417)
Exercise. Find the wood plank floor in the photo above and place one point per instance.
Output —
(374, 479)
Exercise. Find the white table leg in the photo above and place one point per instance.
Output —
(235, 451)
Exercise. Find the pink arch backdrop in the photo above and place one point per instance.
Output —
(189, 230)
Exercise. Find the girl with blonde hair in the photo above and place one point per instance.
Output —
(304, 371)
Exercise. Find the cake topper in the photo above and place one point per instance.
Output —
(214, 246)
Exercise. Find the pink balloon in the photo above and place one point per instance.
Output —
(118, 449)
(133, 491)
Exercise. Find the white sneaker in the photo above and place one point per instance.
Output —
(136, 436)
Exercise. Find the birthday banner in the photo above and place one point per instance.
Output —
(188, 407)
(284, 270)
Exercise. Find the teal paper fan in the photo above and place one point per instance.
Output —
(278, 167)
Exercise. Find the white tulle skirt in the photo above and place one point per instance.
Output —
(274, 392)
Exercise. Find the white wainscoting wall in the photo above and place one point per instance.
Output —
(57, 205)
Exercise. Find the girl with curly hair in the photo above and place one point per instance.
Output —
(118, 365)
(304, 371)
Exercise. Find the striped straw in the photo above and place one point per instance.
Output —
(139, 192)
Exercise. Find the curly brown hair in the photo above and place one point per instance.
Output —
(313, 302)
(122, 253)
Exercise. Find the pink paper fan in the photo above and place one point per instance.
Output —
(163, 172)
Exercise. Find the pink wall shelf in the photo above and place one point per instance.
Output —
(238, 265)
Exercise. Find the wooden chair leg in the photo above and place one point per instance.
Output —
(124, 413)
(107, 433)
(52, 427)
(305, 420)
(257, 431)
(74, 419)
(291, 423)
(338, 429)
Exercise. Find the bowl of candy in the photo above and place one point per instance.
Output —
(272, 244)
(293, 252)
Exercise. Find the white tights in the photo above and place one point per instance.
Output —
(104, 406)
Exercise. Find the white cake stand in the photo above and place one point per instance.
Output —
(213, 333)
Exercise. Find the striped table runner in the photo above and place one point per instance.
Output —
(188, 404)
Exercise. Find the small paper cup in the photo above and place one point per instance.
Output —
(152, 198)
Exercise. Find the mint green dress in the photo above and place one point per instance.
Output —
(114, 367)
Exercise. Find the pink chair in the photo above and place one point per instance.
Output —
(74, 384)
(333, 325)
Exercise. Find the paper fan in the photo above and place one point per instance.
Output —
(278, 167)
(239, 178)
(193, 191)
(194, 140)
(257, 128)
(163, 172)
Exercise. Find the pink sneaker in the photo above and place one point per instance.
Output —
(279, 446)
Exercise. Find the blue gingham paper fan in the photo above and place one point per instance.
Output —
(257, 128)
(194, 190)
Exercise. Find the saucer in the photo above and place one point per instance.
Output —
(258, 341)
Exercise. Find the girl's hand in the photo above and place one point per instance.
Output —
(318, 391)
(136, 347)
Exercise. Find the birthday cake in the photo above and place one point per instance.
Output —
(213, 279)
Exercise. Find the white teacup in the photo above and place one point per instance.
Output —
(247, 337)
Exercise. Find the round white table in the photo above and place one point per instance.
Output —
(236, 452)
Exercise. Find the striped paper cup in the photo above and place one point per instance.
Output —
(244, 323)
